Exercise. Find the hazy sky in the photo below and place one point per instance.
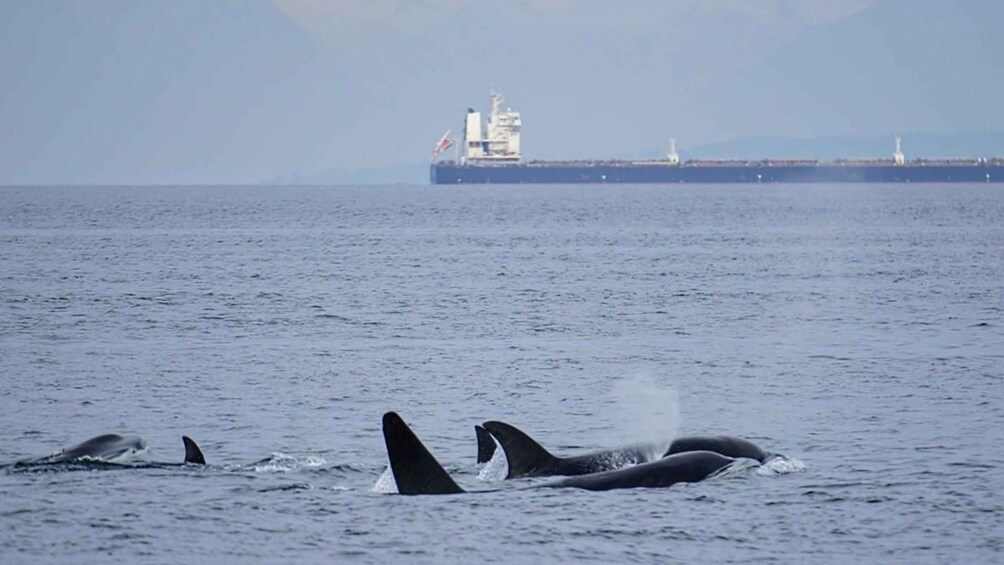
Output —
(193, 91)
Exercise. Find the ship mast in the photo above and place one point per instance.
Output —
(496, 102)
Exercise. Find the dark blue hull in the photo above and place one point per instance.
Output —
(450, 173)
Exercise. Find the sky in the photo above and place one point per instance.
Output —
(253, 91)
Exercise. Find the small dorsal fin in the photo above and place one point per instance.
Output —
(486, 444)
(526, 457)
(192, 452)
(415, 470)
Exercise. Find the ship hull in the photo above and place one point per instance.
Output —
(598, 173)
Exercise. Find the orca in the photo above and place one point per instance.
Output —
(113, 448)
(193, 455)
(726, 445)
(686, 467)
(416, 471)
(486, 445)
(107, 448)
(527, 458)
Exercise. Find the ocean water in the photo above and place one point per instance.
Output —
(856, 330)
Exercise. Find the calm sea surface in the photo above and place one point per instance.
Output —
(857, 330)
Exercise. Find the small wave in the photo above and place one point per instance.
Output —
(386, 483)
(82, 464)
(292, 486)
(332, 317)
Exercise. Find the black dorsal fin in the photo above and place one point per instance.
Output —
(525, 456)
(192, 452)
(486, 444)
(415, 470)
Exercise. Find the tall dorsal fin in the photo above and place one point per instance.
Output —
(415, 470)
(525, 456)
(192, 452)
(486, 445)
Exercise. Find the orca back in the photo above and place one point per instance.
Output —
(91, 447)
(107, 447)
(415, 470)
(689, 467)
(486, 445)
(724, 445)
(526, 457)
(193, 454)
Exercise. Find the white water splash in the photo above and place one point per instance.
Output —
(282, 463)
(127, 456)
(124, 458)
(780, 465)
(496, 468)
(386, 483)
(650, 411)
(741, 467)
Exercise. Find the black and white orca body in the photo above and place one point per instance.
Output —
(726, 445)
(527, 458)
(116, 449)
(416, 471)
(687, 467)
(107, 448)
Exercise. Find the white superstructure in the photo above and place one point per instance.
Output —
(673, 157)
(499, 142)
(898, 157)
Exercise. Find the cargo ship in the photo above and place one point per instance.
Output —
(490, 154)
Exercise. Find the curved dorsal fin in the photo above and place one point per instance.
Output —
(525, 456)
(192, 452)
(415, 470)
(486, 445)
